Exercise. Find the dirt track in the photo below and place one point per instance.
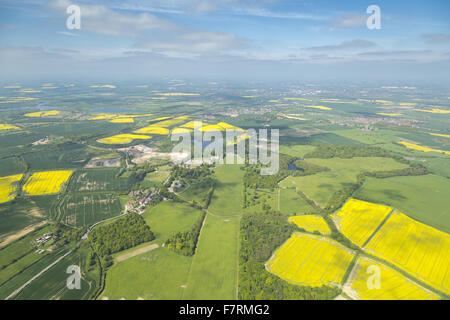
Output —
(136, 252)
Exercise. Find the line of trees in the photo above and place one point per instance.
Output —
(185, 242)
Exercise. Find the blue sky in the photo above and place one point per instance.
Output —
(236, 39)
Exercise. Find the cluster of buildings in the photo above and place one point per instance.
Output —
(44, 238)
(141, 198)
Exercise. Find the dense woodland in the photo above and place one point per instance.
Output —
(122, 234)
(185, 242)
(328, 151)
(254, 179)
(305, 168)
(260, 235)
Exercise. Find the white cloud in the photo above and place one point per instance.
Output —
(349, 44)
(349, 21)
(102, 20)
(192, 44)
(436, 38)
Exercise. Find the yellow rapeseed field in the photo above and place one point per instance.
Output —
(103, 116)
(390, 114)
(357, 219)
(122, 120)
(311, 223)
(42, 114)
(416, 248)
(160, 118)
(7, 127)
(384, 101)
(169, 122)
(111, 86)
(153, 130)
(393, 285)
(440, 135)
(181, 130)
(420, 148)
(212, 127)
(46, 182)
(434, 110)
(178, 94)
(122, 138)
(310, 260)
(299, 99)
(117, 117)
(190, 124)
(8, 186)
(229, 126)
(319, 107)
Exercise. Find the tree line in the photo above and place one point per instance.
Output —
(185, 242)
(260, 235)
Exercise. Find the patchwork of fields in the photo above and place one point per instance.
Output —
(399, 224)
(84, 209)
(310, 260)
(321, 186)
(423, 198)
(392, 284)
(99, 180)
(358, 220)
(418, 249)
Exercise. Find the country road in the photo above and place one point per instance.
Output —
(90, 228)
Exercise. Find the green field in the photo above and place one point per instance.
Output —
(168, 218)
(197, 192)
(52, 284)
(321, 186)
(423, 198)
(79, 128)
(81, 209)
(99, 180)
(257, 198)
(146, 275)
(63, 156)
(369, 137)
(10, 166)
(439, 166)
(227, 197)
(20, 214)
(155, 179)
(292, 203)
(27, 273)
(296, 150)
(213, 274)
(158, 274)
(19, 248)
